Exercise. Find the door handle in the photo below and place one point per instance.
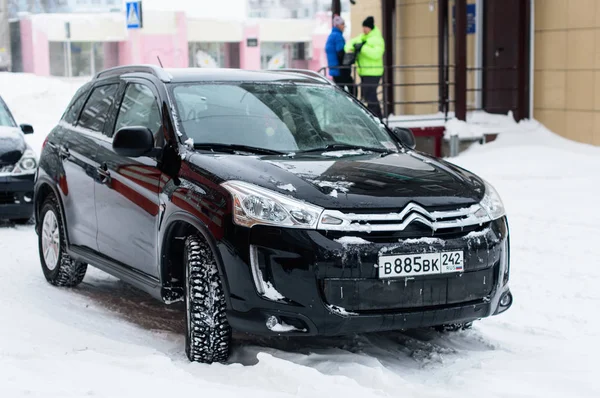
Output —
(63, 152)
(103, 173)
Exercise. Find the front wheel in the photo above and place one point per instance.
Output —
(208, 334)
(58, 267)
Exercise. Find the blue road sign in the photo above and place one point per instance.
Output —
(133, 12)
(471, 19)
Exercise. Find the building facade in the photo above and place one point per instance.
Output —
(82, 44)
(534, 58)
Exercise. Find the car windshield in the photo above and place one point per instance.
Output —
(281, 117)
(5, 117)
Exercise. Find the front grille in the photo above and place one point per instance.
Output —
(7, 198)
(414, 231)
(411, 217)
(376, 295)
(6, 168)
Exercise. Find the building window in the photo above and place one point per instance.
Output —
(298, 51)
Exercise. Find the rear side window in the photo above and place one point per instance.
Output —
(73, 111)
(95, 111)
(5, 116)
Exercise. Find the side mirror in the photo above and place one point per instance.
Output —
(133, 141)
(26, 128)
(405, 136)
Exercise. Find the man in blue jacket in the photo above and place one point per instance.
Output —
(334, 48)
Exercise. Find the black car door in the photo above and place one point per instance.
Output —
(78, 150)
(127, 198)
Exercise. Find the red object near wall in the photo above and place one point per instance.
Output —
(436, 132)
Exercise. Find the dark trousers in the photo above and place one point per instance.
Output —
(368, 90)
(345, 82)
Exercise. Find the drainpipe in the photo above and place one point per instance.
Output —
(460, 56)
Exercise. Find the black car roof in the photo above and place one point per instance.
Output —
(183, 75)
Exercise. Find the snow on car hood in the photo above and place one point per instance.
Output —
(357, 181)
(12, 145)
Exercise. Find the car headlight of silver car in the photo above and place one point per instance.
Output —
(26, 165)
(492, 203)
(254, 205)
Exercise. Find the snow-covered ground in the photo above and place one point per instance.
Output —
(106, 339)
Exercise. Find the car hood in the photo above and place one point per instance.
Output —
(350, 180)
(12, 145)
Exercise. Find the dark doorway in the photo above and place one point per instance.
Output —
(506, 61)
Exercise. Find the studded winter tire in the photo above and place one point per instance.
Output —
(58, 267)
(208, 334)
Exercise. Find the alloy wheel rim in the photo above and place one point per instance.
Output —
(50, 240)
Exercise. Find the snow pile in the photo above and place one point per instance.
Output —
(352, 240)
(477, 125)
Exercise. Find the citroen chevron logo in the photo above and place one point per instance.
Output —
(415, 213)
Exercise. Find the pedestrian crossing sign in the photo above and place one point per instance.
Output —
(133, 11)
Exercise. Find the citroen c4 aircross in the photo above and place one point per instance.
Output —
(270, 203)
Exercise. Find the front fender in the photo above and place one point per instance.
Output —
(178, 216)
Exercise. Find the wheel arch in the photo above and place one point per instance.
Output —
(178, 226)
(44, 189)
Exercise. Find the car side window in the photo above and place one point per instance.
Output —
(140, 108)
(95, 111)
(73, 111)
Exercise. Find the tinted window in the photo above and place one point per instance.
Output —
(276, 116)
(139, 108)
(95, 111)
(5, 117)
(73, 111)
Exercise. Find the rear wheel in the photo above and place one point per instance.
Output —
(208, 334)
(58, 267)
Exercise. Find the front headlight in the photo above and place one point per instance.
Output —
(254, 205)
(26, 165)
(492, 203)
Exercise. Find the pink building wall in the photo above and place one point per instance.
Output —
(27, 50)
(250, 56)
(35, 49)
(144, 48)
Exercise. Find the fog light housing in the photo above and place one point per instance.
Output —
(272, 322)
(506, 300)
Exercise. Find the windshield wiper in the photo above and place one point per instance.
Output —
(232, 148)
(344, 147)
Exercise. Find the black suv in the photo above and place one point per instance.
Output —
(270, 202)
(17, 169)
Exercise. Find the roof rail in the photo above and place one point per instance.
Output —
(121, 70)
(306, 72)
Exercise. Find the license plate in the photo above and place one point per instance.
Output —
(420, 264)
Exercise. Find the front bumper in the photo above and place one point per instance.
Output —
(323, 287)
(16, 197)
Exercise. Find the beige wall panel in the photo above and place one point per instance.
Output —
(580, 13)
(418, 51)
(596, 90)
(579, 126)
(596, 132)
(597, 49)
(580, 90)
(581, 49)
(418, 20)
(551, 50)
(550, 14)
(550, 89)
(360, 11)
(554, 120)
